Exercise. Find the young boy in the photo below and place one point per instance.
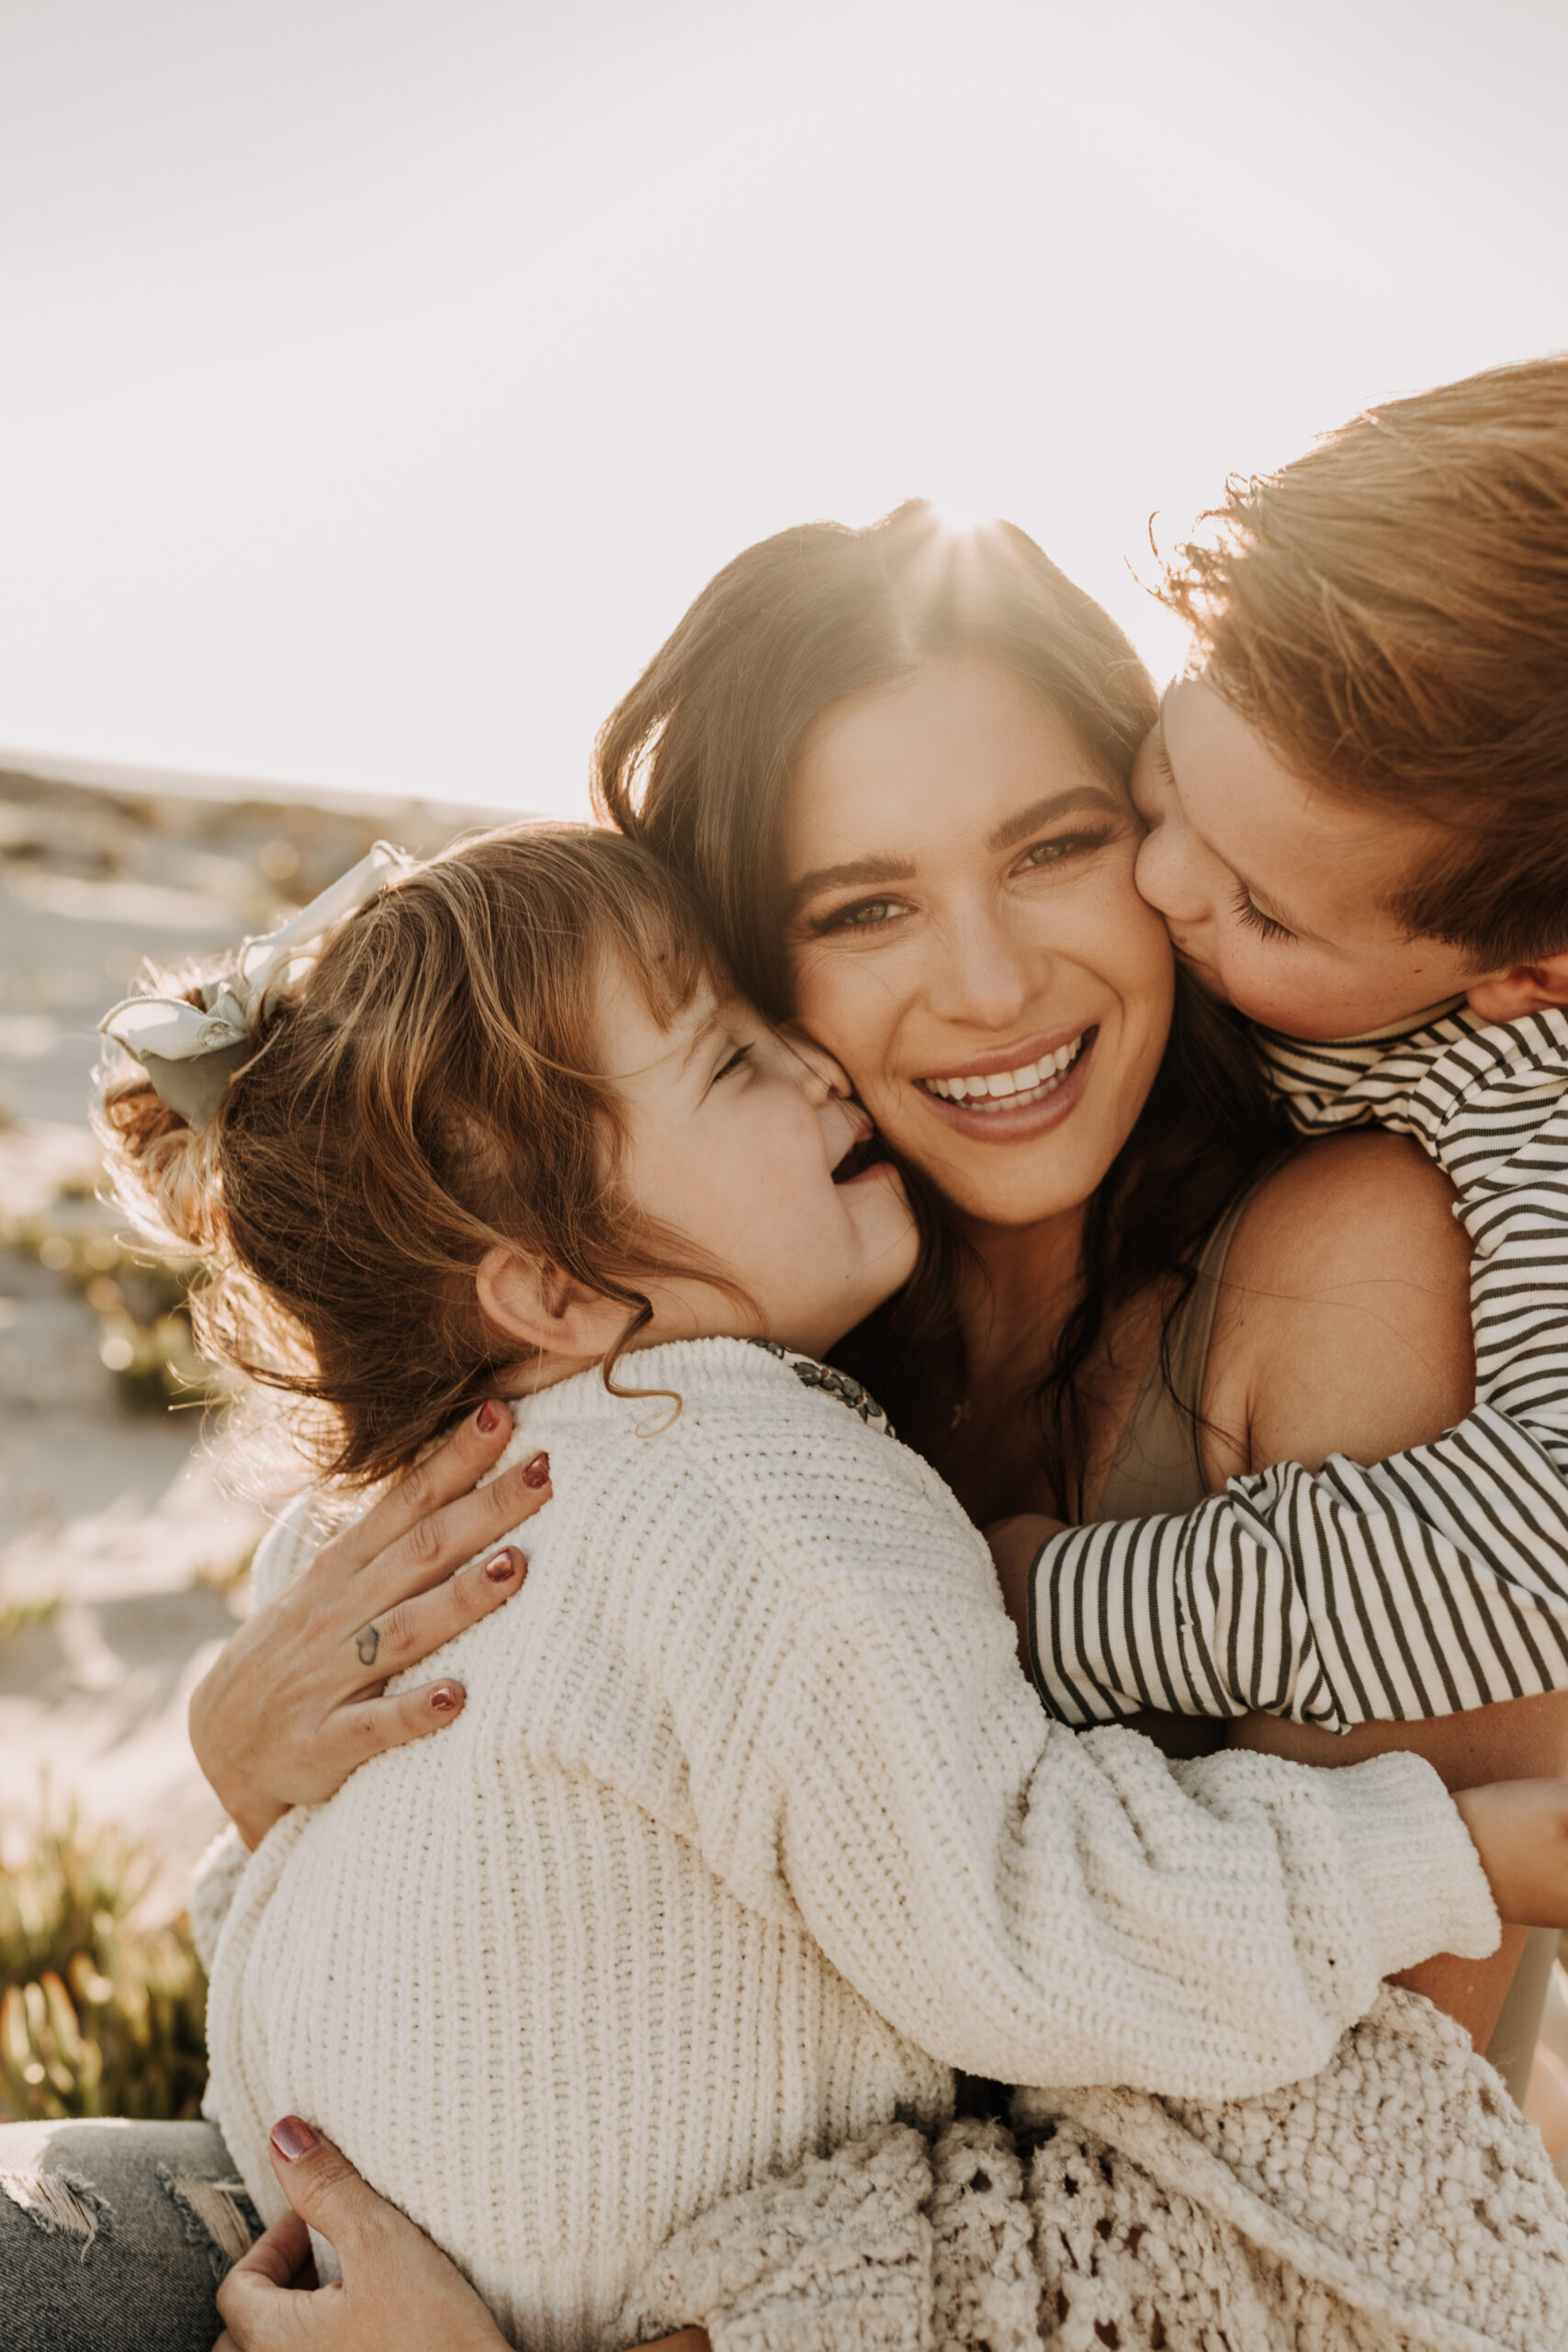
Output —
(1358, 829)
(1358, 813)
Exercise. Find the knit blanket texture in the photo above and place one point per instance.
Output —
(1396, 2200)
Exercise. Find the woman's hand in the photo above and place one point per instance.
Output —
(396, 2289)
(294, 1702)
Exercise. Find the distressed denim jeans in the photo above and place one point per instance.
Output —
(114, 2236)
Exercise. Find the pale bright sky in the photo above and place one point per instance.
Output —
(379, 378)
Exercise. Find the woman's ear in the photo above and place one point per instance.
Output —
(545, 1310)
(1522, 987)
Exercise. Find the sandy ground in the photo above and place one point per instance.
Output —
(119, 1515)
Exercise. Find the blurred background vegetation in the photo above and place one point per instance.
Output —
(99, 2015)
(123, 1553)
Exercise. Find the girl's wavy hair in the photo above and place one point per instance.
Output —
(695, 762)
(429, 1089)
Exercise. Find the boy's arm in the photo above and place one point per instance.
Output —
(1490, 1106)
(1431, 1582)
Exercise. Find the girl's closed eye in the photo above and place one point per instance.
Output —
(1247, 912)
(737, 1061)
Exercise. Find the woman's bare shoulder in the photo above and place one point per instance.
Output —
(1344, 1323)
(1348, 1207)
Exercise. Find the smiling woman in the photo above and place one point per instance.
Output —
(1026, 905)
(894, 763)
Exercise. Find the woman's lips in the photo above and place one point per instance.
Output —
(1044, 1044)
(1026, 1112)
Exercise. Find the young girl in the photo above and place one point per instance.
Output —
(751, 1831)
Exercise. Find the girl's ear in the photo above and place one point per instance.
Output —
(1523, 988)
(544, 1309)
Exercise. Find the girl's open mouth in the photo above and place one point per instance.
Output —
(861, 1158)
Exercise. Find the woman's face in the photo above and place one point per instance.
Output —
(965, 937)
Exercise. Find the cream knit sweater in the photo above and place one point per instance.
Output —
(752, 1830)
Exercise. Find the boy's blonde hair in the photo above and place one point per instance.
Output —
(1390, 612)
(430, 1090)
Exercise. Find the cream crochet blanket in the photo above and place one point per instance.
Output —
(1397, 2199)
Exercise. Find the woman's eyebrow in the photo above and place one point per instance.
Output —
(859, 871)
(1055, 803)
(864, 872)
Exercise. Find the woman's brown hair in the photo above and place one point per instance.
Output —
(427, 1090)
(695, 762)
(695, 759)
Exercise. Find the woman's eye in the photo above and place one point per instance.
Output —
(864, 915)
(1254, 918)
(1063, 846)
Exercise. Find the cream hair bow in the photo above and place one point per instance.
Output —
(191, 1051)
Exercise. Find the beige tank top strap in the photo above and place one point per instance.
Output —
(1158, 1465)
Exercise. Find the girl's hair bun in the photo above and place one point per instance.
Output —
(164, 1173)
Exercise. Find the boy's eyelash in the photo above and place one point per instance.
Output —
(1254, 918)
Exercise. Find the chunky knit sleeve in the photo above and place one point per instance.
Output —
(1023, 1902)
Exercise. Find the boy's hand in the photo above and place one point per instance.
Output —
(1520, 1829)
(1015, 1546)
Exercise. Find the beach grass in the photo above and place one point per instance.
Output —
(98, 2014)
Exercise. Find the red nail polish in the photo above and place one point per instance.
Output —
(444, 1700)
(503, 1568)
(488, 1418)
(292, 2138)
(537, 1472)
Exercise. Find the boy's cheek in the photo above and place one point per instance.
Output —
(1274, 999)
(1206, 977)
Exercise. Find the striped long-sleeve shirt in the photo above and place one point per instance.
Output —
(1430, 1582)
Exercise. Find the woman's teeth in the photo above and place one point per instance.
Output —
(1010, 1089)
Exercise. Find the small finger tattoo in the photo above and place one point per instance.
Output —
(369, 1643)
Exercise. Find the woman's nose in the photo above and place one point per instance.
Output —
(989, 980)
